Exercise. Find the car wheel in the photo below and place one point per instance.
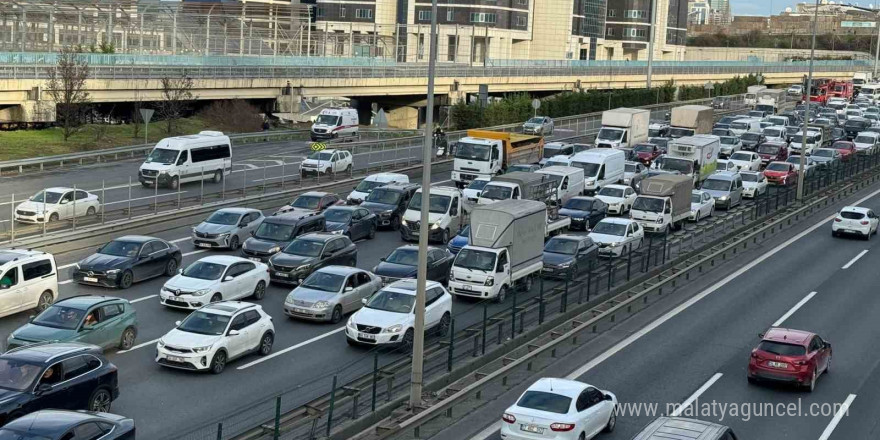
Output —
(348, 169)
(175, 182)
(527, 283)
(443, 326)
(171, 268)
(751, 380)
(218, 363)
(44, 302)
(868, 236)
(100, 400)
(372, 233)
(407, 341)
(266, 344)
(127, 339)
(582, 436)
(502, 294)
(812, 385)
(126, 280)
(218, 176)
(834, 233)
(612, 422)
(573, 271)
(827, 366)
(337, 315)
(260, 290)
(445, 237)
(53, 217)
(217, 297)
(233, 243)
(91, 211)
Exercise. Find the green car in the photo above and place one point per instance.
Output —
(99, 320)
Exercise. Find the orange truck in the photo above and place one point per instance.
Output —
(485, 153)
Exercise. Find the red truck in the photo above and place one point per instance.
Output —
(842, 89)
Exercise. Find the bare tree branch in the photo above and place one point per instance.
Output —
(177, 96)
(66, 84)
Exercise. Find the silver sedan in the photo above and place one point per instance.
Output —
(331, 292)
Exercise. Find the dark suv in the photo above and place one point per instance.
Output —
(277, 231)
(50, 424)
(309, 253)
(389, 202)
(57, 375)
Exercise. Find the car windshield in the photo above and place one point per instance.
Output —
(469, 151)
(750, 177)
(609, 134)
(649, 204)
(477, 185)
(782, 349)
(791, 131)
(392, 301)
(579, 204)
(796, 161)
(367, 185)
(203, 323)
(630, 168)
(204, 270)
(58, 316)
(544, 401)
(658, 141)
(320, 155)
(384, 196)
(854, 124)
(304, 248)
(611, 192)
(438, 204)
(643, 148)
(777, 167)
(864, 140)
(521, 167)
(163, 156)
(841, 145)
(609, 228)
(327, 120)
(223, 218)
(590, 169)
(17, 375)
(716, 184)
(728, 140)
(750, 136)
(273, 231)
(558, 245)
(328, 282)
(475, 259)
(120, 248)
(307, 202)
(337, 215)
(772, 133)
(850, 215)
(696, 198)
(822, 152)
(745, 157)
(683, 166)
(50, 197)
(535, 121)
(497, 192)
(552, 163)
(404, 256)
(768, 149)
(465, 232)
(553, 151)
(739, 125)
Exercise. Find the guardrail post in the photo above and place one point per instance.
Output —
(244, 185)
(129, 194)
(220, 431)
(375, 381)
(485, 317)
(103, 186)
(451, 345)
(563, 305)
(277, 432)
(629, 257)
(156, 194)
(332, 404)
(74, 207)
(282, 173)
(201, 187)
(513, 315)
(610, 272)
(12, 218)
(589, 279)
(650, 249)
(665, 243)
(263, 185)
(540, 301)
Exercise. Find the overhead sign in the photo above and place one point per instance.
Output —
(858, 24)
(318, 146)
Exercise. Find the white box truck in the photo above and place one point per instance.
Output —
(485, 153)
(688, 120)
(505, 250)
(664, 202)
(695, 156)
(771, 100)
(751, 97)
(623, 127)
(518, 185)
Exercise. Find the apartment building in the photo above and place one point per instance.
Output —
(628, 26)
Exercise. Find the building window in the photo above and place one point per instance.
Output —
(450, 15)
(611, 13)
(363, 13)
(633, 32)
(424, 15)
(342, 11)
(421, 49)
(483, 17)
(522, 2)
(521, 22)
(635, 13)
(609, 32)
(451, 48)
(319, 12)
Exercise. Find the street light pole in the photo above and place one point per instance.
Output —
(415, 396)
(651, 44)
(800, 187)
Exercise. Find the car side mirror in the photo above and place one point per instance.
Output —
(607, 397)
(42, 388)
(348, 289)
(253, 233)
(228, 278)
(233, 333)
(177, 323)
(4, 286)
(761, 335)
(63, 202)
(180, 271)
(30, 318)
(364, 301)
(827, 344)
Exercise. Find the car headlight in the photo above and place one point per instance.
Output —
(275, 250)
(202, 292)
(435, 226)
(201, 349)
(659, 219)
(578, 219)
(490, 281)
(336, 232)
(303, 267)
(350, 322)
(404, 223)
(76, 266)
(194, 229)
(723, 198)
(386, 213)
(321, 305)
(394, 328)
(244, 245)
(223, 235)
(112, 272)
(161, 343)
(288, 299)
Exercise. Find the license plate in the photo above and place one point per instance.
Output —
(282, 275)
(253, 259)
(299, 310)
(90, 279)
(204, 245)
(367, 336)
(466, 287)
(176, 359)
(777, 364)
(532, 428)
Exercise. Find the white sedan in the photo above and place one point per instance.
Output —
(53, 204)
(475, 188)
(855, 220)
(215, 278)
(727, 165)
(617, 235)
(559, 409)
(746, 160)
(754, 184)
(619, 198)
(702, 205)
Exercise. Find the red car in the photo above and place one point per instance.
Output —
(771, 151)
(781, 173)
(792, 356)
(646, 153)
(847, 149)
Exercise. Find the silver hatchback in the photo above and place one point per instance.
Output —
(331, 292)
(227, 228)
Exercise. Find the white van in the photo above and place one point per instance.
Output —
(179, 159)
(363, 189)
(569, 182)
(870, 91)
(28, 281)
(334, 123)
(740, 126)
(602, 166)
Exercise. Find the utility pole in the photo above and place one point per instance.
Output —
(415, 395)
(651, 44)
(809, 92)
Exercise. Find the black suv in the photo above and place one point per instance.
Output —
(389, 202)
(50, 424)
(277, 231)
(55, 375)
(309, 253)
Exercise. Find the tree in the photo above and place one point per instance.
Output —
(66, 84)
(177, 96)
(236, 116)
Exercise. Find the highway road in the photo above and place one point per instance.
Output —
(697, 351)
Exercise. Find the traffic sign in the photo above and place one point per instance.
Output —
(319, 146)
(536, 103)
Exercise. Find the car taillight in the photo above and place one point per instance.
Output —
(754, 355)
(509, 418)
(838, 219)
(864, 222)
(561, 427)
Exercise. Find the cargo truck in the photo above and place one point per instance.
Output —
(751, 97)
(505, 250)
(485, 153)
(770, 101)
(664, 202)
(688, 120)
(623, 127)
(518, 185)
(694, 156)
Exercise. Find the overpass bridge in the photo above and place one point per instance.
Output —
(397, 87)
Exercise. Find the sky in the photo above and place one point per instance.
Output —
(760, 7)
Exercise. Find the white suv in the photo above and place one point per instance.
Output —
(327, 162)
(215, 334)
(53, 204)
(28, 280)
(388, 317)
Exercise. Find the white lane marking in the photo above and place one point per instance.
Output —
(275, 161)
(793, 309)
(141, 345)
(249, 166)
(856, 258)
(291, 348)
(147, 197)
(842, 411)
(65, 282)
(180, 239)
(186, 254)
(486, 433)
(142, 299)
(66, 266)
(441, 182)
(690, 400)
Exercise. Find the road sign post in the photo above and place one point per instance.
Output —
(536, 104)
(146, 115)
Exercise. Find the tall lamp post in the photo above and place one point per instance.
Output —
(651, 44)
(800, 184)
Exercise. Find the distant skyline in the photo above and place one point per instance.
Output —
(760, 7)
